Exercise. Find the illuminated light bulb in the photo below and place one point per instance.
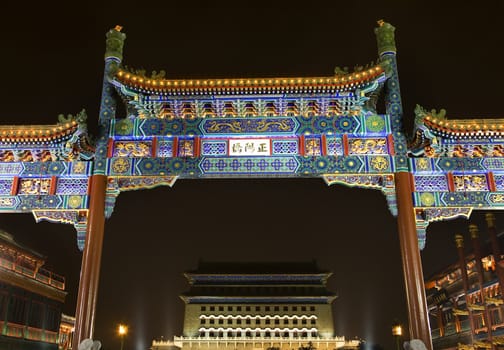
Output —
(140, 80)
(127, 76)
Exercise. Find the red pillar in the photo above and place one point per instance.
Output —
(91, 258)
(440, 320)
(458, 326)
(459, 242)
(490, 219)
(496, 251)
(473, 230)
(418, 312)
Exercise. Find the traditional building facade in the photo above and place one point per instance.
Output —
(31, 299)
(465, 299)
(258, 306)
(66, 332)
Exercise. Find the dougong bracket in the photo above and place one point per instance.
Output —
(424, 216)
(383, 182)
(76, 217)
(116, 185)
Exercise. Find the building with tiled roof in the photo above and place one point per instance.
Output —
(258, 305)
(31, 299)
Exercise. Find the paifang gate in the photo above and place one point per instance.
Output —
(325, 127)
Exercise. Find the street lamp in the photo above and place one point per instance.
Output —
(122, 330)
(397, 333)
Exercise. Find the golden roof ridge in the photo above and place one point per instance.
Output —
(465, 125)
(37, 131)
(355, 77)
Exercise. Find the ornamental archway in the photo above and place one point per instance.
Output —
(319, 127)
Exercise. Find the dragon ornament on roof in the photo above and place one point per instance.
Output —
(424, 142)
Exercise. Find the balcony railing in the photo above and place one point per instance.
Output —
(42, 275)
(435, 333)
(266, 339)
(336, 342)
(465, 326)
(21, 331)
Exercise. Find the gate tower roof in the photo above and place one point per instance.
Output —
(465, 128)
(233, 86)
(37, 134)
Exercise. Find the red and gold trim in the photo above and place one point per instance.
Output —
(301, 145)
(451, 183)
(175, 147)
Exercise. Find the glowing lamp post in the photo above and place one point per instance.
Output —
(397, 333)
(122, 330)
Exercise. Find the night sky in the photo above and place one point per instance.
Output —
(52, 62)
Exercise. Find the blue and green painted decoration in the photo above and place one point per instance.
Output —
(326, 127)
